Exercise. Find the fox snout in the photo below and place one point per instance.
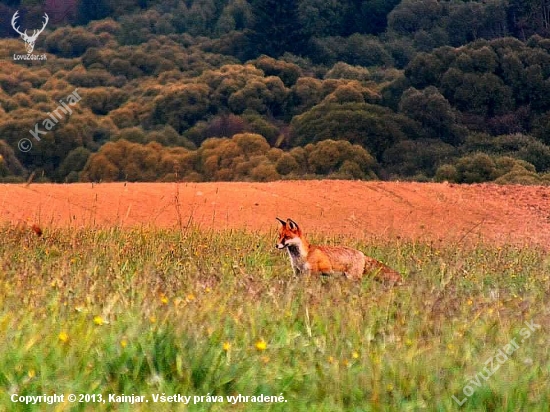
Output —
(280, 245)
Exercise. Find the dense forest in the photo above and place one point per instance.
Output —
(260, 90)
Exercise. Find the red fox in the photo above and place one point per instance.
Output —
(328, 260)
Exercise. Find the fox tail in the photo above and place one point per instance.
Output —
(382, 272)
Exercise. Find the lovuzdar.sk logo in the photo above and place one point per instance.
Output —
(29, 40)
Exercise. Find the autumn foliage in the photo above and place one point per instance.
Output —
(415, 90)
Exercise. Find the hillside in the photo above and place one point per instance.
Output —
(263, 90)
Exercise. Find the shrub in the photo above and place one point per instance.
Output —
(287, 72)
(447, 173)
(343, 70)
(287, 164)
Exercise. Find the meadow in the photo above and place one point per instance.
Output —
(194, 312)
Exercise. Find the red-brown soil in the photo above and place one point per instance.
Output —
(382, 210)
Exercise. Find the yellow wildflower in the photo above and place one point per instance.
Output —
(98, 320)
(226, 346)
(261, 345)
(63, 337)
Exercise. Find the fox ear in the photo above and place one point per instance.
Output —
(281, 221)
(292, 224)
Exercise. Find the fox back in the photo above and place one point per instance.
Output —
(328, 260)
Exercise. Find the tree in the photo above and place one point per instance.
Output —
(201, 17)
(182, 107)
(346, 93)
(425, 70)
(9, 164)
(92, 10)
(480, 167)
(102, 100)
(372, 126)
(322, 18)
(433, 111)
(235, 16)
(277, 28)
(306, 93)
(476, 168)
(289, 73)
(529, 17)
(369, 17)
(74, 162)
(287, 164)
(413, 15)
(469, 21)
(262, 95)
(485, 95)
(340, 158)
(71, 42)
(412, 157)
(518, 146)
(123, 160)
(343, 70)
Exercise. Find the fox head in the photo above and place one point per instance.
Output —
(289, 234)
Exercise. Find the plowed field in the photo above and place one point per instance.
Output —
(381, 210)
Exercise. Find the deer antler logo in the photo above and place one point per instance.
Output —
(29, 40)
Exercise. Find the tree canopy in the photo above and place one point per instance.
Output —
(261, 90)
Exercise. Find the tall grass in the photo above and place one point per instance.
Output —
(194, 313)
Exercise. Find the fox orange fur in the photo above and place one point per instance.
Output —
(328, 260)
